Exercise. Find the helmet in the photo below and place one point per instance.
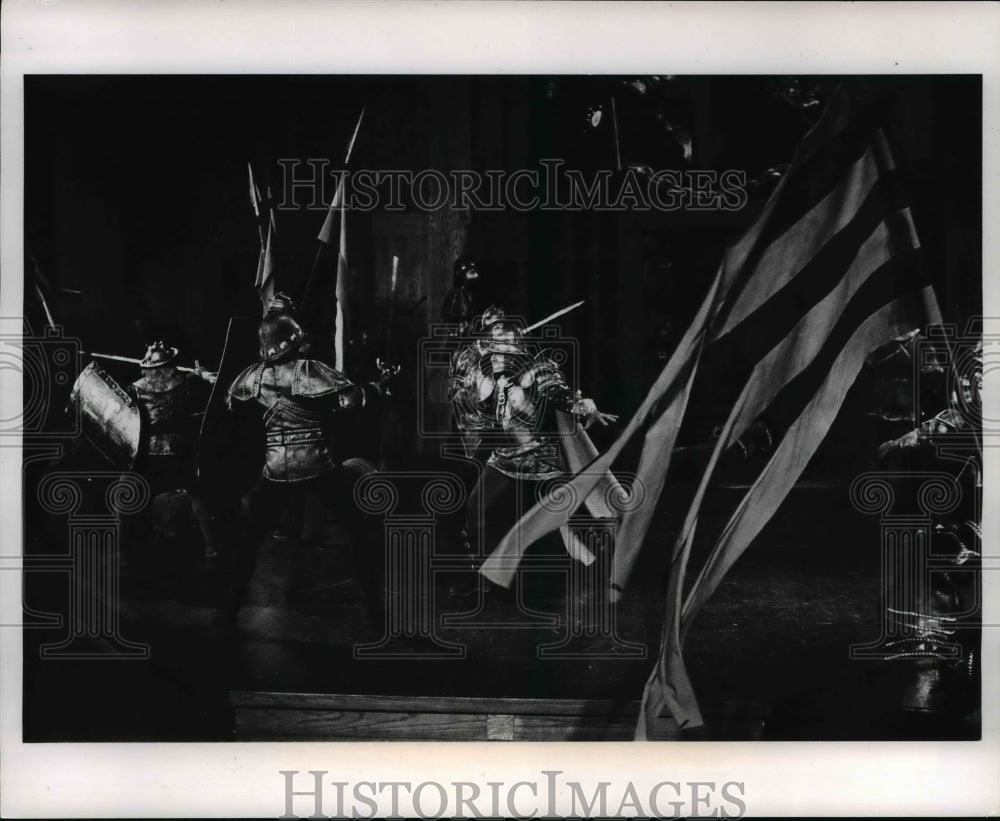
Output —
(280, 303)
(279, 335)
(157, 355)
(466, 270)
(501, 340)
(500, 334)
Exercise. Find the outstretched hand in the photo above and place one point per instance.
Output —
(209, 376)
(586, 410)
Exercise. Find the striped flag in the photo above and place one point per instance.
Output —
(825, 274)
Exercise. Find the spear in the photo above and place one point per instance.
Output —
(133, 361)
(392, 302)
(45, 307)
(614, 123)
(326, 232)
(255, 202)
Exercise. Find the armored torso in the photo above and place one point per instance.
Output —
(170, 410)
(299, 398)
(524, 408)
(521, 406)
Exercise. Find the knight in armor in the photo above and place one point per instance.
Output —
(941, 634)
(503, 393)
(299, 399)
(171, 404)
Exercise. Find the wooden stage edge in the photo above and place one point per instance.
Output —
(270, 716)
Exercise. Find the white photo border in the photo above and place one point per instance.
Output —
(302, 37)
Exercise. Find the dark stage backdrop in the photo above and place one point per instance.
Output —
(137, 196)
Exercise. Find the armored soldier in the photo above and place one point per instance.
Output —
(500, 391)
(171, 404)
(941, 633)
(298, 399)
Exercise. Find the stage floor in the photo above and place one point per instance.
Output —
(768, 656)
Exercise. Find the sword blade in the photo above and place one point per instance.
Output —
(557, 314)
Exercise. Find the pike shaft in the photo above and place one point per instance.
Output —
(45, 306)
(392, 302)
(128, 359)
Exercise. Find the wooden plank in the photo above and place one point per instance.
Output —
(586, 728)
(433, 704)
(500, 728)
(268, 724)
(572, 728)
(329, 725)
(329, 716)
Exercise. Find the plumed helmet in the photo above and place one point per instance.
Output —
(466, 270)
(279, 335)
(157, 355)
(281, 303)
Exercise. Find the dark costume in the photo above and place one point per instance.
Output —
(940, 631)
(459, 305)
(171, 404)
(298, 399)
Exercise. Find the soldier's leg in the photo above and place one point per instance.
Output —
(491, 487)
(314, 510)
(261, 507)
(489, 490)
(205, 524)
(336, 489)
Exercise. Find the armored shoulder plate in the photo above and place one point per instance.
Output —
(469, 388)
(145, 385)
(546, 375)
(246, 386)
(314, 379)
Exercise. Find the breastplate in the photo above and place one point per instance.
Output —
(295, 428)
(168, 419)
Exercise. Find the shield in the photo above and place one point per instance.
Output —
(230, 448)
(109, 417)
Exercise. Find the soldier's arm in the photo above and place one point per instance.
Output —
(552, 384)
(357, 396)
